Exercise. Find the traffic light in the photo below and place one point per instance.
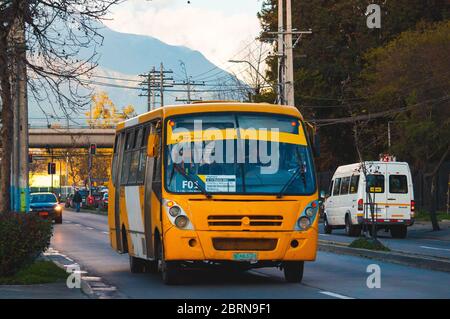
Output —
(93, 149)
(51, 168)
(30, 158)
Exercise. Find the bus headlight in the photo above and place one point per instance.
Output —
(304, 223)
(58, 208)
(174, 211)
(309, 212)
(181, 221)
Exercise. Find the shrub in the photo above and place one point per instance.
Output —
(23, 237)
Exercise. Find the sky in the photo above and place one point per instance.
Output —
(216, 28)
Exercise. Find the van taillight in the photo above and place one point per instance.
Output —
(413, 206)
(360, 204)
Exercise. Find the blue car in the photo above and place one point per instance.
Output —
(46, 205)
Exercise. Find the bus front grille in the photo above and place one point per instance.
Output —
(245, 244)
(245, 220)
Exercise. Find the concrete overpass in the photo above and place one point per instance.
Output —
(71, 137)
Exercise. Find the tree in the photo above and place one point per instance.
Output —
(104, 113)
(412, 71)
(328, 63)
(61, 37)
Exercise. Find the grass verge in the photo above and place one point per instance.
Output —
(367, 243)
(424, 216)
(40, 272)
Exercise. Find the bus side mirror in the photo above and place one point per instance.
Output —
(314, 138)
(152, 145)
(316, 144)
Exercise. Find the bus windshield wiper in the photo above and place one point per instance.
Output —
(180, 170)
(300, 170)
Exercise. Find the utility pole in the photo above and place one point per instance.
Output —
(155, 80)
(188, 83)
(280, 52)
(289, 86)
(162, 84)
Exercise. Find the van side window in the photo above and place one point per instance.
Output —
(337, 185)
(354, 184)
(345, 185)
(375, 184)
(398, 184)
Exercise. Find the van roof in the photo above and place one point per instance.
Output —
(353, 168)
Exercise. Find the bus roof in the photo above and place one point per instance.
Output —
(213, 106)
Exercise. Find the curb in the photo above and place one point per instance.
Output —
(91, 286)
(419, 261)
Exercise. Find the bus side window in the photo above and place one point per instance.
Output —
(354, 184)
(114, 161)
(336, 187)
(142, 155)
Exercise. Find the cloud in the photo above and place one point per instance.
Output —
(218, 34)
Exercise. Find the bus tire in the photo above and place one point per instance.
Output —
(327, 227)
(137, 265)
(151, 266)
(169, 269)
(399, 231)
(350, 229)
(293, 271)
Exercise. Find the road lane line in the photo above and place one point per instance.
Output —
(332, 294)
(90, 228)
(105, 232)
(435, 248)
(324, 235)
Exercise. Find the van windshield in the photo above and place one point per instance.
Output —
(239, 153)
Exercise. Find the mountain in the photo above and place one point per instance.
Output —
(125, 56)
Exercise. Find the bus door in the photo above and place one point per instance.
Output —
(154, 141)
(116, 176)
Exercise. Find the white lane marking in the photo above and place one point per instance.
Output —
(435, 248)
(90, 228)
(324, 235)
(332, 294)
(105, 232)
(67, 222)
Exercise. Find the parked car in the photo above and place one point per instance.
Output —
(46, 205)
(104, 201)
(390, 187)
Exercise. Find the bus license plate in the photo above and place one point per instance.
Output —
(245, 256)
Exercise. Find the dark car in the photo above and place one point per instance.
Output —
(46, 205)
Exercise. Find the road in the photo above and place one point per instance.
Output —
(84, 238)
(412, 244)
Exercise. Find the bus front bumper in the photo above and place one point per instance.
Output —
(232, 245)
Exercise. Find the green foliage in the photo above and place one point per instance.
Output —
(40, 272)
(412, 71)
(23, 237)
(328, 63)
(366, 243)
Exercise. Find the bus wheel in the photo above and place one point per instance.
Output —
(326, 227)
(169, 269)
(151, 266)
(137, 265)
(399, 231)
(293, 271)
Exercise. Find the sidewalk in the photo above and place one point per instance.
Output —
(47, 291)
(424, 230)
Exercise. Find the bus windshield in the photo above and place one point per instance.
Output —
(242, 153)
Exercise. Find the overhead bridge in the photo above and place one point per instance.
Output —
(71, 137)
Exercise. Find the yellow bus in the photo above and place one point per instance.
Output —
(214, 183)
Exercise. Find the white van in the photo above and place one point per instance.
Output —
(391, 188)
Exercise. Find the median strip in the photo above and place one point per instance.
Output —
(414, 260)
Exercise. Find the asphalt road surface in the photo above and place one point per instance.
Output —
(84, 237)
(411, 244)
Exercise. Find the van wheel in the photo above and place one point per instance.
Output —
(399, 231)
(293, 271)
(326, 227)
(169, 269)
(350, 229)
(137, 265)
